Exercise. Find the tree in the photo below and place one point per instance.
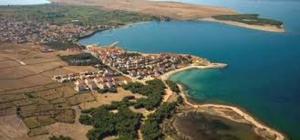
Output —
(173, 86)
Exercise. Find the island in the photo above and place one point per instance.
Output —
(52, 87)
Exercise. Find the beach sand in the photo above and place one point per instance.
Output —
(167, 75)
(267, 28)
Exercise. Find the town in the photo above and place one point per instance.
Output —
(137, 65)
(117, 67)
(104, 80)
(43, 32)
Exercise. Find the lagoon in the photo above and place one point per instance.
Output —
(263, 75)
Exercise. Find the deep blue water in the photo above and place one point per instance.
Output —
(23, 2)
(264, 68)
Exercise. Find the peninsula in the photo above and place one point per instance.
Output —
(51, 87)
(251, 21)
(182, 11)
(80, 92)
(140, 68)
(173, 10)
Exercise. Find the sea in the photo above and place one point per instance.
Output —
(263, 76)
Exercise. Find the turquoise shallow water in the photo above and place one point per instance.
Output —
(264, 68)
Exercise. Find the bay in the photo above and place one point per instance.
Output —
(263, 74)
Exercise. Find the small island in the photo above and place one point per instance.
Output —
(251, 21)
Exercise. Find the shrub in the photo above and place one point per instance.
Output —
(173, 86)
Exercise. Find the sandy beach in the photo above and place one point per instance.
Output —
(167, 75)
(267, 28)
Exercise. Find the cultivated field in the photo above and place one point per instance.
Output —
(32, 105)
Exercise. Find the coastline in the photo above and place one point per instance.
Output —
(167, 75)
(244, 117)
(259, 128)
(166, 9)
(191, 67)
(217, 65)
(128, 25)
(266, 28)
(91, 33)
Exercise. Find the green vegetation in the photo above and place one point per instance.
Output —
(59, 45)
(252, 19)
(60, 138)
(151, 129)
(118, 120)
(154, 89)
(110, 90)
(131, 54)
(82, 59)
(62, 14)
(173, 86)
(112, 120)
(134, 87)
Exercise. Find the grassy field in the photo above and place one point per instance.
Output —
(251, 19)
(83, 15)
